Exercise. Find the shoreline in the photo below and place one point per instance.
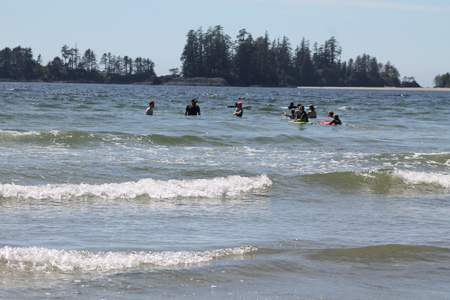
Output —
(374, 88)
(202, 81)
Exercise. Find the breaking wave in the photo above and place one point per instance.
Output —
(144, 188)
(38, 259)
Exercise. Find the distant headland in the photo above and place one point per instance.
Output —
(212, 58)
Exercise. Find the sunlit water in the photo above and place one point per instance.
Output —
(100, 201)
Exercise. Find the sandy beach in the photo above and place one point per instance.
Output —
(375, 88)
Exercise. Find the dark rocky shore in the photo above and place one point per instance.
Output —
(163, 80)
(196, 81)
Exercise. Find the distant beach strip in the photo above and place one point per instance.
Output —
(387, 88)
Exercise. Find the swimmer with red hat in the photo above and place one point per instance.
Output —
(239, 110)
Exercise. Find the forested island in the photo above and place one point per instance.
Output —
(213, 55)
(19, 64)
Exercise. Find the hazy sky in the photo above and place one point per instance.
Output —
(412, 34)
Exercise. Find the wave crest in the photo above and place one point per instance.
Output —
(416, 178)
(385, 254)
(38, 259)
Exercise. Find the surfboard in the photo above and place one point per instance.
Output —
(244, 107)
(301, 122)
(325, 122)
(306, 108)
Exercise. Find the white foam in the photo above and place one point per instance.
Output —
(413, 177)
(40, 259)
(153, 189)
(14, 133)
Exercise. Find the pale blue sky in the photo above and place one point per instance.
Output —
(411, 34)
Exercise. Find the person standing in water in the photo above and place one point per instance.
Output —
(151, 106)
(193, 109)
(291, 116)
(301, 115)
(312, 112)
(239, 110)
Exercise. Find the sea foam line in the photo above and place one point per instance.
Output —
(40, 259)
(153, 189)
(413, 177)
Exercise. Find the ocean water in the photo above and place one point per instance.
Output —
(100, 201)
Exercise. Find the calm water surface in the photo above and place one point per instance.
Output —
(100, 201)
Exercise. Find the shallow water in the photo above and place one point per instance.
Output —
(98, 200)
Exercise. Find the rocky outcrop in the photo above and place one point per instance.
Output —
(196, 81)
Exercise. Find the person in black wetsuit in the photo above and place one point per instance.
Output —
(193, 109)
(302, 116)
(336, 121)
(239, 110)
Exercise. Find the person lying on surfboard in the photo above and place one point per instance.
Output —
(330, 115)
(336, 121)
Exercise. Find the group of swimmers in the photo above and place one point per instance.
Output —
(299, 115)
(193, 109)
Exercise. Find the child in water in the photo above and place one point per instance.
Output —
(291, 116)
(330, 114)
(149, 110)
(335, 121)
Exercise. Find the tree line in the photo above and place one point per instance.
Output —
(247, 61)
(244, 61)
(442, 81)
(18, 64)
